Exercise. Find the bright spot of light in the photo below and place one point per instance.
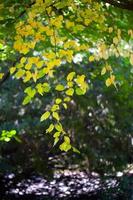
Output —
(77, 58)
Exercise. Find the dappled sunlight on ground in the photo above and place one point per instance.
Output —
(64, 184)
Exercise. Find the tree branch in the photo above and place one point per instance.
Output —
(120, 4)
(5, 77)
(7, 73)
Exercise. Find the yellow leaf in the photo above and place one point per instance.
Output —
(131, 59)
(81, 82)
(50, 128)
(45, 116)
(27, 76)
(91, 58)
(60, 87)
(49, 32)
(69, 24)
(57, 134)
(75, 150)
(108, 82)
(65, 105)
(12, 70)
(39, 88)
(70, 76)
(19, 65)
(46, 87)
(70, 92)
(70, 84)
(20, 73)
(23, 60)
(109, 68)
(110, 29)
(115, 40)
(1, 75)
(79, 91)
(103, 71)
(55, 107)
(26, 100)
(34, 76)
(56, 116)
(31, 92)
(112, 77)
(39, 64)
(67, 139)
(87, 22)
(58, 127)
(56, 140)
(67, 99)
(25, 50)
(58, 101)
(65, 146)
(28, 66)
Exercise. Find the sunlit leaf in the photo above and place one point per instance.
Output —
(50, 128)
(59, 87)
(56, 116)
(45, 116)
(70, 76)
(103, 71)
(70, 92)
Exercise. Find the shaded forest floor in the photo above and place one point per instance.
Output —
(67, 185)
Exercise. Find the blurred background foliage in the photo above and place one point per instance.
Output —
(100, 124)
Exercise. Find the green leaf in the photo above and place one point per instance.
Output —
(75, 150)
(45, 116)
(13, 132)
(6, 136)
(6, 139)
(79, 91)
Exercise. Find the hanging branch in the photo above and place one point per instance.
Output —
(128, 5)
